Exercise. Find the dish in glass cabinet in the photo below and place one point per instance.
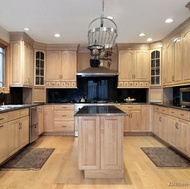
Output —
(129, 100)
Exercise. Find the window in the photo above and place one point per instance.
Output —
(2, 67)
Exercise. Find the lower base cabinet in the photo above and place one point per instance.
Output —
(3, 142)
(100, 152)
(179, 134)
(14, 132)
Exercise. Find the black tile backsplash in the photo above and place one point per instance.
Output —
(96, 89)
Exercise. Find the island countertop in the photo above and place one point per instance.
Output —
(100, 111)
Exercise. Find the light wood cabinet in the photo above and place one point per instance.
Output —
(64, 118)
(132, 122)
(178, 134)
(186, 56)
(133, 67)
(41, 119)
(39, 67)
(3, 136)
(101, 146)
(61, 69)
(17, 130)
(160, 122)
(146, 118)
(48, 118)
(21, 64)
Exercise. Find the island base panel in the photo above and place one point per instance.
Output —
(104, 174)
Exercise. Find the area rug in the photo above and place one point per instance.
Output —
(166, 157)
(28, 159)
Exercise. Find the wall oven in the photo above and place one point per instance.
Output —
(33, 127)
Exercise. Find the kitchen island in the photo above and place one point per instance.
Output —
(100, 141)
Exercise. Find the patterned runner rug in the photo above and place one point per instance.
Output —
(28, 159)
(166, 157)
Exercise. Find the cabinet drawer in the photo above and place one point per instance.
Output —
(130, 107)
(179, 114)
(64, 126)
(63, 115)
(3, 117)
(161, 109)
(24, 112)
(64, 107)
(13, 115)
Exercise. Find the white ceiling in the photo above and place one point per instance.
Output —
(70, 18)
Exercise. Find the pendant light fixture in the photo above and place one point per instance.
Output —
(102, 33)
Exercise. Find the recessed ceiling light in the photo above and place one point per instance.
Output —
(169, 20)
(110, 17)
(149, 39)
(142, 34)
(57, 35)
(26, 29)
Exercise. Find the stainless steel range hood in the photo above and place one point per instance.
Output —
(97, 72)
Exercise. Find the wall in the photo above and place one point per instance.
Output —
(4, 35)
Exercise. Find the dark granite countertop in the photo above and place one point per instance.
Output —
(12, 107)
(100, 111)
(171, 106)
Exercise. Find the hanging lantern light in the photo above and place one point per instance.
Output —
(102, 33)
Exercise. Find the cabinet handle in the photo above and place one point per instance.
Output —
(64, 126)
(1, 126)
(64, 115)
(2, 118)
(160, 119)
(182, 114)
(131, 115)
(176, 125)
(172, 112)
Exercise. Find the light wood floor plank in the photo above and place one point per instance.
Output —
(61, 170)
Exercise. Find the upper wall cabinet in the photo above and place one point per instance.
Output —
(39, 67)
(61, 69)
(21, 64)
(172, 62)
(133, 68)
(186, 56)
(176, 57)
(155, 67)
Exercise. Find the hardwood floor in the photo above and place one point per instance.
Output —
(61, 169)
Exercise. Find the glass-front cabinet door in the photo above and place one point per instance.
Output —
(39, 68)
(155, 67)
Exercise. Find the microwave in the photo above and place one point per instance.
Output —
(185, 97)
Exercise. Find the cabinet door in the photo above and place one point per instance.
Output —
(170, 63)
(24, 131)
(3, 142)
(28, 65)
(89, 142)
(48, 118)
(146, 118)
(172, 125)
(178, 61)
(41, 119)
(53, 68)
(16, 67)
(186, 56)
(126, 65)
(183, 140)
(69, 65)
(112, 142)
(163, 132)
(135, 121)
(13, 136)
(142, 65)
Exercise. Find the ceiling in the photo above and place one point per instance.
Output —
(70, 18)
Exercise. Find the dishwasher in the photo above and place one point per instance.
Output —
(33, 127)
